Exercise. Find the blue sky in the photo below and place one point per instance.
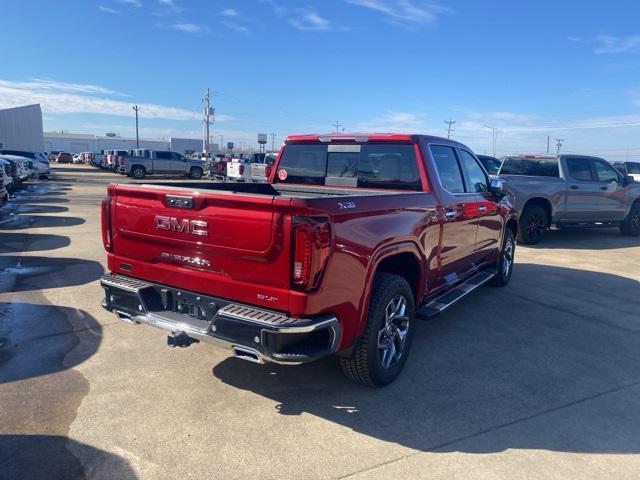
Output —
(568, 69)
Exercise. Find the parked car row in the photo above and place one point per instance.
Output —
(19, 166)
(253, 168)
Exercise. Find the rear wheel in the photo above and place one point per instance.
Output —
(631, 224)
(533, 224)
(504, 267)
(138, 172)
(380, 354)
(195, 173)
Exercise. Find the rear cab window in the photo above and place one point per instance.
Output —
(534, 166)
(391, 166)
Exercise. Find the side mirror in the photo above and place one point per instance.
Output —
(628, 179)
(497, 187)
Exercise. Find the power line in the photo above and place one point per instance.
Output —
(449, 130)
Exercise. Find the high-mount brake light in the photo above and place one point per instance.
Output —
(311, 246)
(106, 224)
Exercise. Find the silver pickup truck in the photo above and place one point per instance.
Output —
(570, 190)
(159, 162)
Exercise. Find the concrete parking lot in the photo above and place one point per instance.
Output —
(537, 380)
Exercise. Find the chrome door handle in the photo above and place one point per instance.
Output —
(482, 208)
(450, 214)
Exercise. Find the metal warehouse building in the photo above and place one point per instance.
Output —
(77, 142)
(21, 128)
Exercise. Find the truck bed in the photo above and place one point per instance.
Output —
(277, 190)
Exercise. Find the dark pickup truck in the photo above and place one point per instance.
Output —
(354, 238)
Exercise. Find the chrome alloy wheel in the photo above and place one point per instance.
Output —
(393, 334)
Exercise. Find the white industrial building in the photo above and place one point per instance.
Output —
(21, 128)
(78, 142)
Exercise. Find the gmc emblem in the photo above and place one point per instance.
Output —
(194, 227)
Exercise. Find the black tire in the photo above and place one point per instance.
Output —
(631, 224)
(138, 172)
(504, 267)
(370, 364)
(533, 223)
(195, 173)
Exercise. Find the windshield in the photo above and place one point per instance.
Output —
(633, 168)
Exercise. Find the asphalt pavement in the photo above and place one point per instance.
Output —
(540, 379)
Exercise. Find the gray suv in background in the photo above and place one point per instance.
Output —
(159, 162)
(569, 191)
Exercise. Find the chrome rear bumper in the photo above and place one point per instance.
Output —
(252, 333)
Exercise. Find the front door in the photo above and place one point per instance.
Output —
(583, 191)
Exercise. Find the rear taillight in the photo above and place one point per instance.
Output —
(106, 224)
(267, 171)
(241, 169)
(311, 245)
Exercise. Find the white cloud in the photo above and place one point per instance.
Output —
(404, 12)
(52, 85)
(229, 12)
(166, 3)
(310, 21)
(133, 3)
(108, 10)
(59, 97)
(609, 44)
(395, 122)
(187, 27)
(236, 27)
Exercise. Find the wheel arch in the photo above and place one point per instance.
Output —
(542, 202)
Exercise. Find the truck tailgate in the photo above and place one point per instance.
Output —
(230, 245)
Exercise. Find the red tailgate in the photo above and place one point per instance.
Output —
(222, 244)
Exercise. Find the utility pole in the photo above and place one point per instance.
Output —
(273, 141)
(559, 144)
(222, 143)
(136, 109)
(338, 125)
(208, 114)
(494, 131)
(548, 142)
(449, 130)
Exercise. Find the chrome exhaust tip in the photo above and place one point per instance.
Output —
(248, 354)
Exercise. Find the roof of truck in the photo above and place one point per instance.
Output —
(361, 136)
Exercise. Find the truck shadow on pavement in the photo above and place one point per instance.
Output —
(550, 362)
(19, 222)
(23, 273)
(50, 456)
(587, 239)
(31, 242)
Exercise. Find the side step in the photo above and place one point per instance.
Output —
(433, 307)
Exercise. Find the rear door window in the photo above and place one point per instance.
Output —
(448, 168)
(579, 168)
(388, 166)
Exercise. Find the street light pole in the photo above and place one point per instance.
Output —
(136, 108)
(494, 131)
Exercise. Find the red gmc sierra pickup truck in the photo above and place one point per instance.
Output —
(352, 239)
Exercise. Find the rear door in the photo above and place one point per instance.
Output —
(613, 202)
(162, 163)
(583, 190)
(459, 213)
